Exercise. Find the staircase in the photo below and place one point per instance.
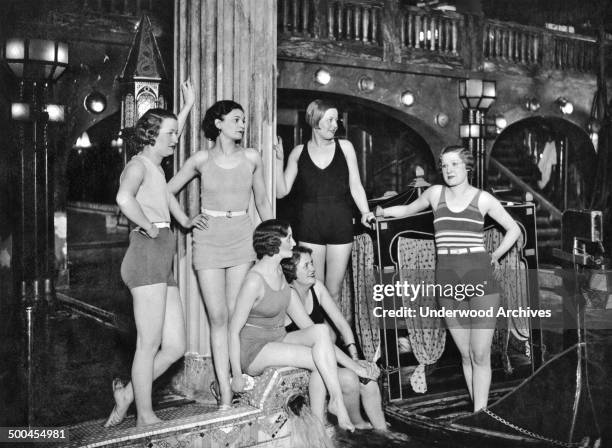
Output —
(511, 177)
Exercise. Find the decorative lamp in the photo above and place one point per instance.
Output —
(35, 59)
(476, 93)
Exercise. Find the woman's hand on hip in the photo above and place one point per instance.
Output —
(199, 222)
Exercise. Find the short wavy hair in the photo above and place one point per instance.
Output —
(464, 154)
(290, 264)
(216, 112)
(316, 110)
(267, 237)
(147, 127)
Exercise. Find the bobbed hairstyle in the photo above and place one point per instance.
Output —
(267, 237)
(464, 154)
(147, 126)
(290, 264)
(216, 112)
(316, 110)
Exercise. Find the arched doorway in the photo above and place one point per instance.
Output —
(552, 159)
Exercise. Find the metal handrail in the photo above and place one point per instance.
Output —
(540, 199)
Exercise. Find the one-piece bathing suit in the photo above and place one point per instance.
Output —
(228, 241)
(325, 214)
(461, 255)
(266, 322)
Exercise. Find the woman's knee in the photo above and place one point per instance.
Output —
(322, 332)
(218, 318)
(481, 357)
(349, 381)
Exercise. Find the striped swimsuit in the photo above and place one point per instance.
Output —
(462, 258)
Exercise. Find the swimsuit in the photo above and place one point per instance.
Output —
(266, 322)
(228, 241)
(325, 214)
(148, 261)
(462, 258)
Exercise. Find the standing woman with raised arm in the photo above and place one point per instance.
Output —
(144, 199)
(223, 252)
(459, 211)
(326, 176)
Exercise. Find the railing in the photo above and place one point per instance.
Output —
(296, 17)
(432, 31)
(470, 40)
(511, 43)
(574, 53)
(355, 21)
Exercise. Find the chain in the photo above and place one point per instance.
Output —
(530, 433)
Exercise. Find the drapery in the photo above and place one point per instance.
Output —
(356, 301)
(427, 335)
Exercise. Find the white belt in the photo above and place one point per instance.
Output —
(462, 250)
(159, 225)
(227, 214)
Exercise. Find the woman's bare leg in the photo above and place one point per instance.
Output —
(336, 262)
(318, 394)
(311, 349)
(172, 349)
(372, 404)
(213, 287)
(149, 310)
(349, 382)
(234, 277)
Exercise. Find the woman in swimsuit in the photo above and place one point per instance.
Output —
(144, 199)
(257, 335)
(326, 175)
(459, 211)
(223, 252)
(300, 273)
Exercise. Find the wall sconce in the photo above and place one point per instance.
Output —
(23, 112)
(322, 76)
(95, 102)
(407, 98)
(366, 84)
(469, 130)
(476, 93)
(82, 142)
(441, 120)
(20, 111)
(56, 112)
(531, 104)
(565, 106)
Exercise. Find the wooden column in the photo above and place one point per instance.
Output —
(228, 49)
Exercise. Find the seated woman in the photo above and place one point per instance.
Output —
(257, 336)
(318, 303)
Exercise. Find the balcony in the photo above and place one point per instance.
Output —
(365, 32)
